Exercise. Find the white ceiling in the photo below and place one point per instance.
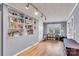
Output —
(53, 11)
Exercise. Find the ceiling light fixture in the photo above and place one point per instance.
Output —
(37, 10)
(45, 18)
(27, 6)
(41, 15)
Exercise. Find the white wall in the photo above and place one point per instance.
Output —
(15, 45)
(75, 14)
(0, 33)
(40, 29)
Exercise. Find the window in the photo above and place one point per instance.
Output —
(54, 29)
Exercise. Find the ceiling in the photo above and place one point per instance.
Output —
(55, 12)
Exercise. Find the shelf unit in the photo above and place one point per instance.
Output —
(20, 24)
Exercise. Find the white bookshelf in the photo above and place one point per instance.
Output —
(19, 23)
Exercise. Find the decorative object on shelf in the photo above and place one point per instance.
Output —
(10, 34)
(34, 27)
(30, 29)
(34, 22)
(20, 27)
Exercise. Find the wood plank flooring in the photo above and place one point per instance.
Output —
(46, 48)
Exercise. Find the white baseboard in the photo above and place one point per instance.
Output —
(25, 49)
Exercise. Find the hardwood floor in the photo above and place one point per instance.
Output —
(46, 48)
